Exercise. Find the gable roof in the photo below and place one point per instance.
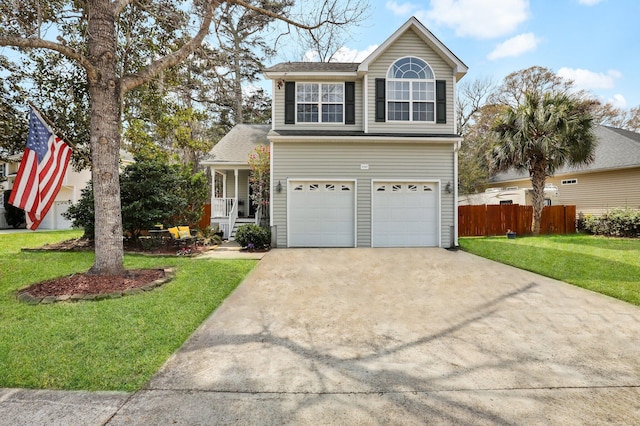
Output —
(459, 68)
(353, 69)
(616, 149)
(234, 148)
(313, 68)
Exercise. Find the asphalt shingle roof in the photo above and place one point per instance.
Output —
(236, 145)
(303, 67)
(616, 149)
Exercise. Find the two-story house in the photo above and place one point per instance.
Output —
(365, 154)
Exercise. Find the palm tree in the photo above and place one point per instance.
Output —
(540, 135)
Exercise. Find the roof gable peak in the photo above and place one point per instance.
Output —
(413, 24)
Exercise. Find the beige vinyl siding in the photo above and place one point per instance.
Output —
(278, 109)
(343, 160)
(409, 44)
(595, 192)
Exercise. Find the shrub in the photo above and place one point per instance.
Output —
(615, 223)
(151, 192)
(253, 236)
(13, 215)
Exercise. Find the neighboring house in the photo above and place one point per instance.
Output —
(230, 202)
(69, 193)
(510, 195)
(612, 180)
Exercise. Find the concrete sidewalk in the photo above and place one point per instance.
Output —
(383, 336)
(230, 250)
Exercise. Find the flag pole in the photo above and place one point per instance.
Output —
(60, 134)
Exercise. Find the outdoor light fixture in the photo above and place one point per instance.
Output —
(449, 188)
(279, 187)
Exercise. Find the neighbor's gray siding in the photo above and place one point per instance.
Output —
(278, 109)
(342, 160)
(595, 192)
(409, 44)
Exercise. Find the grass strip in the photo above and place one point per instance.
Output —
(609, 266)
(112, 344)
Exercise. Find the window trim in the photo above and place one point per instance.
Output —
(390, 80)
(572, 181)
(319, 103)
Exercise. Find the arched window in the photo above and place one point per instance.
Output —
(410, 91)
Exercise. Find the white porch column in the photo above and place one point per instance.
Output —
(224, 184)
(235, 175)
(213, 184)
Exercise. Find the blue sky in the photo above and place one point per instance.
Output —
(596, 43)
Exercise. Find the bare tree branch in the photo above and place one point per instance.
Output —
(38, 43)
(119, 5)
(297, 24)
(147, 73)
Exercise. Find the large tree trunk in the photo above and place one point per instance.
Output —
(538, 180)
(106, 119)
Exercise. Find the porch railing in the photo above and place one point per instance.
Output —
(221, 207)
(233, 216)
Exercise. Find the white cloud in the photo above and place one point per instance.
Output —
(477, 18)
(515, 46)
(344, 54)
(401, 9)
(618, 101)
(310, 56)
(589, 2)
(585, 79)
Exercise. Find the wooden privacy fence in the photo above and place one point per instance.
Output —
(206, 217)
(489, 220)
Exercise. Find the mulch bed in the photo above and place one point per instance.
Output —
(95, 284)
(84, 286)
(130, 246)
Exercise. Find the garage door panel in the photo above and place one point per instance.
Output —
(321, 214)
(404, 214)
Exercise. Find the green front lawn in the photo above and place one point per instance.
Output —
(115, 344)
(609, 266)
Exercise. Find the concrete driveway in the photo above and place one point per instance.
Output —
(399, 336)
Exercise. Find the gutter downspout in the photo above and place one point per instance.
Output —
(455, 193)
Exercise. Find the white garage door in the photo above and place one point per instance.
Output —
(321, 214)
(404, 214)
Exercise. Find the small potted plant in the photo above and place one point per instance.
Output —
(511, 235)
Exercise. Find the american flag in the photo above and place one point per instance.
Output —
(42, 169)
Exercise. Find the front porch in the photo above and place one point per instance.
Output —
(231, 204)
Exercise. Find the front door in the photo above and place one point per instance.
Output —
(252, 207)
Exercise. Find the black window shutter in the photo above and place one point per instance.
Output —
(380, 99)
(349, 102)
(290, 102)
(441, 101)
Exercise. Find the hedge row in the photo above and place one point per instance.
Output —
(615, 223)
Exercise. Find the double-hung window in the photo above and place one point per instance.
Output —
(320, 102)
(410, 91)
